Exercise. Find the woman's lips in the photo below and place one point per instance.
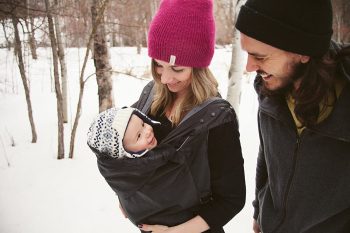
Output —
(172, 84)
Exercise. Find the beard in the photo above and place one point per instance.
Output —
(298, 71)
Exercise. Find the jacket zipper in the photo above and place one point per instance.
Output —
(290, 180)
(289, 184)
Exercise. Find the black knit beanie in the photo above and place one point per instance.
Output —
(299, 26)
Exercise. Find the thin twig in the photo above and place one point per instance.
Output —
(5, 154)
(118, 72)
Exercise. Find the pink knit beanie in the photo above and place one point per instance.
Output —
(182, 33)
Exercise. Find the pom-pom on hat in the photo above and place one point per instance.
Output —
(182, 33)
(299, 26)
(106, 133)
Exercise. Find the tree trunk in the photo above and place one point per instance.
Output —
(61, 56)
(30, 31)
(8, 42)
(235, 74)
(18, 51)
(99, 15)
(101, 60)
(31, 39)
(236, 68)
(153, 6)
(138, 40)
(60, 153)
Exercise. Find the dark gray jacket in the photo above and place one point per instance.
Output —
(303, 182)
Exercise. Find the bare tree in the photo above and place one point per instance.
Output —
(101, 61)
(32, 41)
(29, 21)
(23, 76)
(154, 4)
(98, 19)
(60, 152)
(235, 73)
(341, 20)
(223, 11)
(62, 59)
(8, 42)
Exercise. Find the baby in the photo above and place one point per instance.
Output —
(124, 132)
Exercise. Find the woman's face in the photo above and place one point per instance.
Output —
(176, 78)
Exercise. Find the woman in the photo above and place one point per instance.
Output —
(181, 44)
(193, 181)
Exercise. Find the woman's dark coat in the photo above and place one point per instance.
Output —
(169, 183)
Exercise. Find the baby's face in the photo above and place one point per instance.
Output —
(138, 136)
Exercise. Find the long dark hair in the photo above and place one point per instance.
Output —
(317, 85)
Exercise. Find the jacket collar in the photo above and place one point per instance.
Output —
(276, 107)
(337, 125)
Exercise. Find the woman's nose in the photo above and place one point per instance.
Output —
(165, 77)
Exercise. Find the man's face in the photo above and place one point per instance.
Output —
(278, 68)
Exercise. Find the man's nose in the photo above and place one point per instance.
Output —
(251, 64)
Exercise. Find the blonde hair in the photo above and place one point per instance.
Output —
(203, 86)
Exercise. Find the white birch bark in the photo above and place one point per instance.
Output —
(62, 59)
(101, 60)
(18, 52)
(235, 74)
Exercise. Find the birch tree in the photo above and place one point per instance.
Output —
(82, 80)
(235, 73)
(21, 66)
(60, 152)
(101, 61)
(62, 59)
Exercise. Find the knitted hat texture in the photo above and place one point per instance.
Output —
(182, 33)
(107, 130)
(300, 26)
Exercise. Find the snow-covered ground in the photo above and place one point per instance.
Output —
(40, 194)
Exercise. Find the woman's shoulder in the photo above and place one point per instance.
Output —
(213, 112)
(220, 105)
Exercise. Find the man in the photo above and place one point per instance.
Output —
(303, 86)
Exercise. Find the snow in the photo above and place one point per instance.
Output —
(40, 194)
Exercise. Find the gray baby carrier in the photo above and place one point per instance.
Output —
(168, 184)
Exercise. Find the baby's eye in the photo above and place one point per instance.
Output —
(138, 136)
